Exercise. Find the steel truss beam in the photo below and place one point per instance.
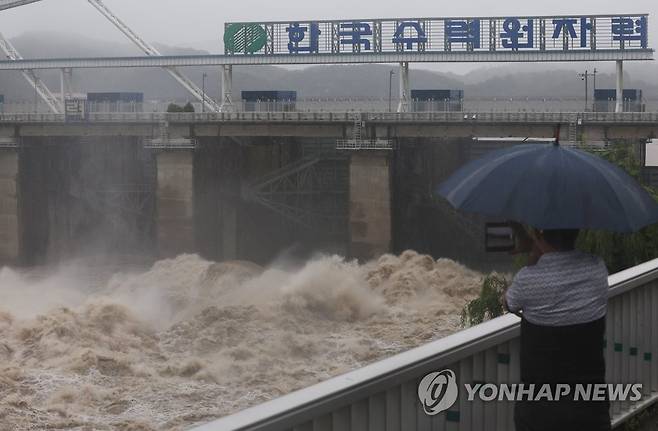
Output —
(281, 59)
(8, 4)
(296, 190)
(32, 78)
(151, 51)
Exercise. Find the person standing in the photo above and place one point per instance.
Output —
(561, 296)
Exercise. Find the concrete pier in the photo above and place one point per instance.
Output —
(175, 203)
(9, 236)
(370, 204)
(217, 198)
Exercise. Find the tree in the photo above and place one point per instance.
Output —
(621, 251)
(174, 108)
(177, 108)
(489, 304)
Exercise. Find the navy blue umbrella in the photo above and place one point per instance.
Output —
(551, 187)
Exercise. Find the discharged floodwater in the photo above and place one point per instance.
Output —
(188, 340)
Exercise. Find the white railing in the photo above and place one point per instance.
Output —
(364, 144)
(356, 104)
(580, 118)
(383, 395)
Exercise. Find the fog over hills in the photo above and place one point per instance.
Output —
(355, 81)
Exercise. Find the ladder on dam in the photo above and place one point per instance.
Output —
(357, 141)
(573, 132)
(163, 141)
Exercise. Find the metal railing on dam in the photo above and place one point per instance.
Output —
(383, 395)
(362, 104)
(630, 118)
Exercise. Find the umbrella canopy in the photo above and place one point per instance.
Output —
(551, 187)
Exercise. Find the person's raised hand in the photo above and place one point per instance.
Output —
(534, 255)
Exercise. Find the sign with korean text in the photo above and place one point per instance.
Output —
(499, 34)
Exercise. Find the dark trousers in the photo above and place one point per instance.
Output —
(562, 416)
(562, 355)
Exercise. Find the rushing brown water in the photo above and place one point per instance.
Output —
(189, 340)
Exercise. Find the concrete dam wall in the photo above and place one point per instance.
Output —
(248, 198)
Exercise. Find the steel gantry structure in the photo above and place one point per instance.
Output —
(150, 50)
(615, 38)
(58, 106)
(32, 78)
(8, 4)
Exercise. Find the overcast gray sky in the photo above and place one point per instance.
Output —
(186, 22)
(199, 23)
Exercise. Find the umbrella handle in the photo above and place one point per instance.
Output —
(557, 134)
(523, 240)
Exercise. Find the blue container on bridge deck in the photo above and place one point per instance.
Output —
(115, 102)
(605, 100)
(437, 100)
(276, 100)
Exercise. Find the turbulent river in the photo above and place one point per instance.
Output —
(188, 340)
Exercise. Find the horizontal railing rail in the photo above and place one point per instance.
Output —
(579, 118)
(633, 54)
(352, 104)
(383, 395)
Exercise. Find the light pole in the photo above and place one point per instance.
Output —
(390, 88)
(594, 90)
(36, 95)
(585, 77)
(594, 76)
(203, 92)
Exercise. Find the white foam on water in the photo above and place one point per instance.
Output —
(189, 340)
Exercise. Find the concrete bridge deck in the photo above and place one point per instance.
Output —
(592, 125)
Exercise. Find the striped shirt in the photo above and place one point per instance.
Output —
(563, 288)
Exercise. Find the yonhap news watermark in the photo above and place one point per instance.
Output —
(438, 391)
(557, 392)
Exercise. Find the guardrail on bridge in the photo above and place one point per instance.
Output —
(383, 395)
(630, 118)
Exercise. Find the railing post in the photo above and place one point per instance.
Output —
(405, 92)
(619, 106)
(227, 89)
